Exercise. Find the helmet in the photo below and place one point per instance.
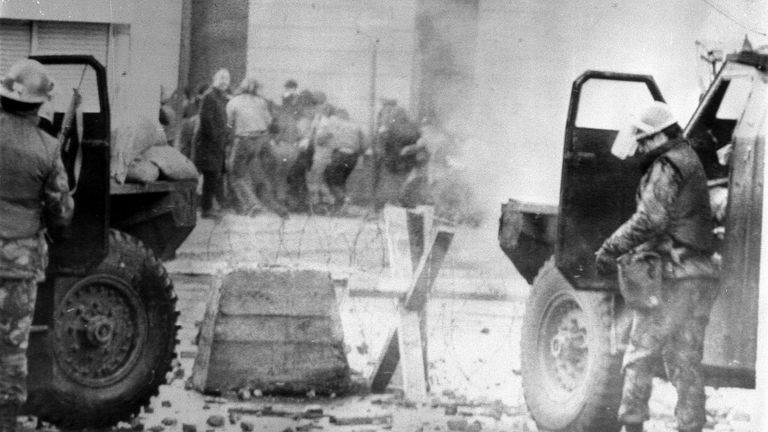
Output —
(652, 120)
(26, 81)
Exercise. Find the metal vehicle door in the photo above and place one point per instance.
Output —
(86, 158)
(597, 190)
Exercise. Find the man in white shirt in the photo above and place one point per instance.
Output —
(249, 119)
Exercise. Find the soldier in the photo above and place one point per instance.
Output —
(673, 219)
(34, 193)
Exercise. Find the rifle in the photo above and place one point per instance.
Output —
(65, 137)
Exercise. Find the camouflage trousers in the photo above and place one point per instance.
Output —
(674, 331)
(17, 304)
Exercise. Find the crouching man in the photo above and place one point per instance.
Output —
(34, 191)
(346, 142)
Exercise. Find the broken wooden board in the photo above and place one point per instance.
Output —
(272, 329)
(407, 344)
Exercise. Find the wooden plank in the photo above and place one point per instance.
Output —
(412, 365)
(386, 364)
(398, 242)
(427, 271)
(205, 342)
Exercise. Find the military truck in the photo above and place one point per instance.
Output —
(104, 328)
(576, 326)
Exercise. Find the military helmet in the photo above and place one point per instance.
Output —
(27, 82)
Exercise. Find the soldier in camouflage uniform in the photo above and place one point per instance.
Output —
(673, 218)
(34, 193)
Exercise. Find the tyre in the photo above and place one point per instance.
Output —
(113, 339)
(571, 381)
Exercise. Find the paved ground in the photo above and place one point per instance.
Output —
(474, 329)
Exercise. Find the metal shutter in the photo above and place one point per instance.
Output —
(15, 41)
(73, 38)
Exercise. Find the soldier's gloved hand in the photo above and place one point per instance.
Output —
(605, 262)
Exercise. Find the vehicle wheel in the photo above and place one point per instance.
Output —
(571, 381)
(113, 338)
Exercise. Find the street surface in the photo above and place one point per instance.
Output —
(474, 318)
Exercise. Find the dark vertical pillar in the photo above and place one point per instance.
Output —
(218, 39)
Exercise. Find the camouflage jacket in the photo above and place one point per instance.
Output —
(673, 217)
(34, 193)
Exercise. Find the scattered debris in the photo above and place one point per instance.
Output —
(244, 394)
(257, 393)
(313, 411)
(157, 428)
(165, 404)
(451, 410)
(216, 421)
(215, 400)
(305, 427)
(148, 410)
(169, 421)
(311, 394)
(369, 420)
(186, 427)
(233, 418)
(246, 426)
(457, 424)
(485, 330)
(475, 426)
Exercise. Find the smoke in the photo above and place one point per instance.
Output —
(497, 77)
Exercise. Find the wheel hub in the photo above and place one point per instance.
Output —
(565, 354)
(100, 326)
(99, 330)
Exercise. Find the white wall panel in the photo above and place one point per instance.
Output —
(15, 42)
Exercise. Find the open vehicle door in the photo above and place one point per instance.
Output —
(86, 158)
(597, 191)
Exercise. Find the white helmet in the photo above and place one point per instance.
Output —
(650, 121)
(26, 81)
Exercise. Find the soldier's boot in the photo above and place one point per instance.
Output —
(8, 414)
(634, 427)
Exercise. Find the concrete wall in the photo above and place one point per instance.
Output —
(144, 50)
(328, 46)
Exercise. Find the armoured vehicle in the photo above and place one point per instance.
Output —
(104, 329)
(576, 325)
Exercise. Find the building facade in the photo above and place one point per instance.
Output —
(137, 41)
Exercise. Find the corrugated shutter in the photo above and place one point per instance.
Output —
(73, 38)
(15, 42)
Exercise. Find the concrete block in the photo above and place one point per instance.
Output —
(272, 329)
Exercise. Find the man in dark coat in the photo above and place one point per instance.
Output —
(212, 140)
(673, 219)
